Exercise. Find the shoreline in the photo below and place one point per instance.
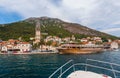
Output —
(28, 53)
(56, 52)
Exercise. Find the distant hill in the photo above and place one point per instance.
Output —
(51, 26)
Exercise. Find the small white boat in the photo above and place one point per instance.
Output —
(116, 49)
(90, 69)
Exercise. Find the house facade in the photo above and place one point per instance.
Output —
(15, 46)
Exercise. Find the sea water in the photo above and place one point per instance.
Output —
(43, 65)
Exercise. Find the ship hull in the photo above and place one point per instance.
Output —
(79, 50)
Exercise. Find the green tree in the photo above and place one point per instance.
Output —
(49, 43)
(105, 39)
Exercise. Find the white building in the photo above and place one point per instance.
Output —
(13, 46)
(114, 45)
(4, 48)
(84, 40)
(24, 47)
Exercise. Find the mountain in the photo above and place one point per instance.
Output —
(51, 26)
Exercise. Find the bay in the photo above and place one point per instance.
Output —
(43, 65)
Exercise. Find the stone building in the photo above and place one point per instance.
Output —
(37, 32)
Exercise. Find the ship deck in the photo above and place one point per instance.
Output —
(86, 74)
(94, 66)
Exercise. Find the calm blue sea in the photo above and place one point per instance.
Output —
(43, 65)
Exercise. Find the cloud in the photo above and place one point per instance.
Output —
(111, 30)
(96, 14)
(76, 11)
(8, 17)
(25, 7)
(116, 23)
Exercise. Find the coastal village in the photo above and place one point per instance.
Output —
(51, 43)
(59, 39)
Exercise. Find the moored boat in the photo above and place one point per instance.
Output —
(79, 49)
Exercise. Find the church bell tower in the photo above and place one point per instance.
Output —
(37, 32)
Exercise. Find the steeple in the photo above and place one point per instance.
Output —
(37, 32)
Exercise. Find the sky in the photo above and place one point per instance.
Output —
(102, 15)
